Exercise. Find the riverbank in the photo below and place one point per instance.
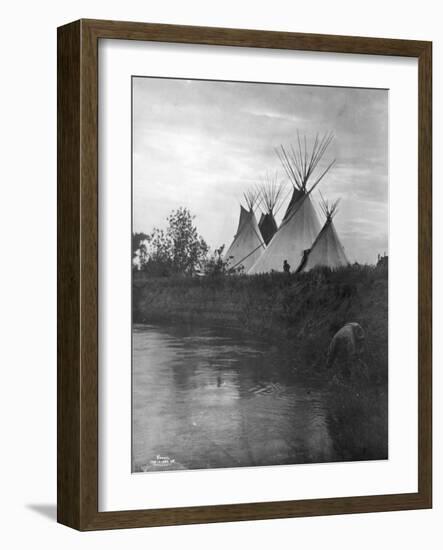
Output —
(302, 310)
(297, 315)
(214, 397)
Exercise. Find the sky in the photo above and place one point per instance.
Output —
(201, 144)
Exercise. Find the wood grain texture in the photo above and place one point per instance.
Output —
(78, 274)
(68, 275)
(254, 38)
(425, 274)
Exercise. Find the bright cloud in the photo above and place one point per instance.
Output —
(200, 144)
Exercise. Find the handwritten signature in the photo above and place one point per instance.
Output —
(160, 460)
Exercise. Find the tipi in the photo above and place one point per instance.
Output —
(248, 244)
(270, 192)
(327, 249)
(300, 225)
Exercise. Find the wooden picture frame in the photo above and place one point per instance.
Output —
(78, 274)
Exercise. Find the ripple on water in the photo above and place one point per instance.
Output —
(208, 398)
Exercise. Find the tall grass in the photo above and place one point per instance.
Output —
(300, 312)
(303, 310)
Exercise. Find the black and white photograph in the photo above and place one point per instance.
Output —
(220, 284)
(260, 246)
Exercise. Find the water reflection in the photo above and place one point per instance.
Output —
(209, 398)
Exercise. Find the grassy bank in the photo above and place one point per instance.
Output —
(305, 309)
(301, 312)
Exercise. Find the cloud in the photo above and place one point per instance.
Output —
(201, 144)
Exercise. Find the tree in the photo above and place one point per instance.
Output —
(178, 250)
(188, 249)
(139, 249)
(216, 264)
(158, 255)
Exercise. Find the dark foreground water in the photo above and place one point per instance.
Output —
(211, 398)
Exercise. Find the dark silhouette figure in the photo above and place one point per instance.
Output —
(303, 260)
(286, 267)
(346, 349)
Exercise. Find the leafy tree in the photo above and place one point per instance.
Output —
(177, 250)
(159, 261)
(217, 265)
(137, 241)
(139, 249)
(188, 248)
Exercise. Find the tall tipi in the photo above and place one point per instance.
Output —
(327, 249)
(300, 225)
(248, 244)
(270, 192)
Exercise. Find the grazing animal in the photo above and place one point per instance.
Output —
(346, 348)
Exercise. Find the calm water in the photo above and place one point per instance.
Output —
(209, 398)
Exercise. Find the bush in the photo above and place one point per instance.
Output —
(301, 310)
(178, 250)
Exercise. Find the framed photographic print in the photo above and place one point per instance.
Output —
(244, 275)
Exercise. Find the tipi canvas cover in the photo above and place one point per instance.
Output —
(296, 234)
(296, 195)
(327, 249)
(270, 192)
(248, 243)
(267, 226)
(300, 226)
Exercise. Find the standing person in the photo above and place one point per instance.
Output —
(286, 267)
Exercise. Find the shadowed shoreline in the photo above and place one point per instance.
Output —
(293, 318)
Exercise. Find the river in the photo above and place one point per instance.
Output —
(211, 397)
